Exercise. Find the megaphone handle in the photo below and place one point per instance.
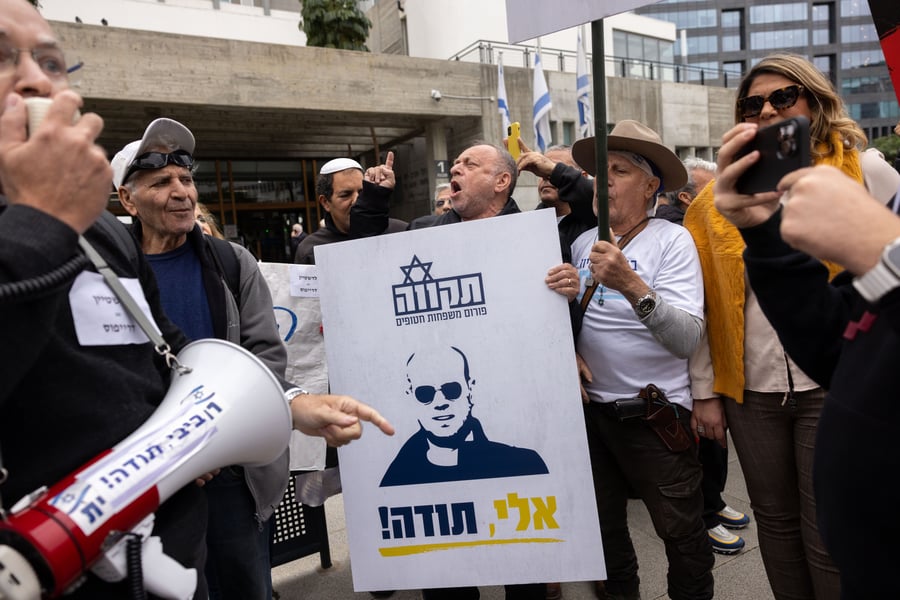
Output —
(18, 580)
(164, 576)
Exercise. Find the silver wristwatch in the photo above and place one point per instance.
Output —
(645, 305)
(883, 277)
(293, 393)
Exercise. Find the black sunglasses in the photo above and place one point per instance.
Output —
(786, 97)
(451, 391)
(157, 160)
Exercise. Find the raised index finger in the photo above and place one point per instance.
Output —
(389, 160)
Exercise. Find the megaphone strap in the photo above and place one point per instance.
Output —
(112, 280)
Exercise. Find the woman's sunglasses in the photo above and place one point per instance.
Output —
(786, 97)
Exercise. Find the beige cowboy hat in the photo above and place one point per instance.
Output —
(635, 137)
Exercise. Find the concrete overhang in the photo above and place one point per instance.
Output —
(257, 101)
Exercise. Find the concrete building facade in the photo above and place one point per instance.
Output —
(266, 115)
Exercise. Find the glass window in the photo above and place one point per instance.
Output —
(854, 8)
(620, 43)
(703, 44)
(688, 19)
(703, 70)
(732, 18)
(778, 13)
(651, 49)
(826, 64)
(858, 33)
(821, 12)
(789, 38)
(862, 58)
(820, 37)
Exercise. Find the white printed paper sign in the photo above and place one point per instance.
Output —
(451, 333)
(300, 326)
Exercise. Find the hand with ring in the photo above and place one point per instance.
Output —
(563, 279)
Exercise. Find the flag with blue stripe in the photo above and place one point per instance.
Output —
(542, 106)
(502, 104)
(583, 92)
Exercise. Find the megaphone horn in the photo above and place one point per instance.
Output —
(228, 409)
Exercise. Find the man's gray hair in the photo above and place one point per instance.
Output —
(440, 188)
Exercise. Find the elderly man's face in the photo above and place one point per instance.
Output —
(164, 200)
(630, 190)
(475, 179)
(440, 393)
(346, 187)
(442, 203)
(22, 27)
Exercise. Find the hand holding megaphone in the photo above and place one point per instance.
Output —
(77, 190)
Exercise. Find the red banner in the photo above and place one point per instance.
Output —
(886, 16)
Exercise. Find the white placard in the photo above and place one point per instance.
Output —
(528, 19)
(300, 325)
(400, 312)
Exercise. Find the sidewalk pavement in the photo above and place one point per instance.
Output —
(738, 577)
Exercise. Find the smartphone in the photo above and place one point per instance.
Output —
(783, 147)
(513, 132)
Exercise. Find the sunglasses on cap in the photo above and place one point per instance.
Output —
(158, 160)
(786, 97)
(451, 391)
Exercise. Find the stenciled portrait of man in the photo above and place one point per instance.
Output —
(450, 444)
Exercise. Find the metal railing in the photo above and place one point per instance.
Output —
(488, 52)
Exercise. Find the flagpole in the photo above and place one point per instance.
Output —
(598, 60)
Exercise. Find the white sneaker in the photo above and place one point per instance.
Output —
(732, 519)
(723, 541)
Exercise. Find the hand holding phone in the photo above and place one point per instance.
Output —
(513, 133)
(783, 147)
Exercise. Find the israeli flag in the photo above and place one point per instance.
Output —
(542, 106)
(583, 92)
(502, 104)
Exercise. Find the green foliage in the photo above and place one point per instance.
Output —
(334, 24)
(889, 146)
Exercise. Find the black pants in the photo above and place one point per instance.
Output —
(714, 460)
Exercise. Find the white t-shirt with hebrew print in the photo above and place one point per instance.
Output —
(620, 351)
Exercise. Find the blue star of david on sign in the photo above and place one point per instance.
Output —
(415, 264)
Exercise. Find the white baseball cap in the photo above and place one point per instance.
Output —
(161, 132)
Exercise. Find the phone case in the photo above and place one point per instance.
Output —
(783, 147)
(513, 144)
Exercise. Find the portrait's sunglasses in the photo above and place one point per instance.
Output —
(786, 97)
(451, 391)
(157, 160)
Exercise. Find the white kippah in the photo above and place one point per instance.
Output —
(339, 164)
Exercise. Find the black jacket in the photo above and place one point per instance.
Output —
(851, 349)
(61, 402)
(368, 217)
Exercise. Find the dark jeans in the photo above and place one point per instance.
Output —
(775, 442)
(714, 460)
(238, 565)
(630, 455)
(527, 591)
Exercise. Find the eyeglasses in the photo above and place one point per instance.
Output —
(50, 59)
(157, 160)
(451, 391)
(786, 97)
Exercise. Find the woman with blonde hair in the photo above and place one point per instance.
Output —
(207, 221)
(746, 382)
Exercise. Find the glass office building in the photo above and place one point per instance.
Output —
(720, 40)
